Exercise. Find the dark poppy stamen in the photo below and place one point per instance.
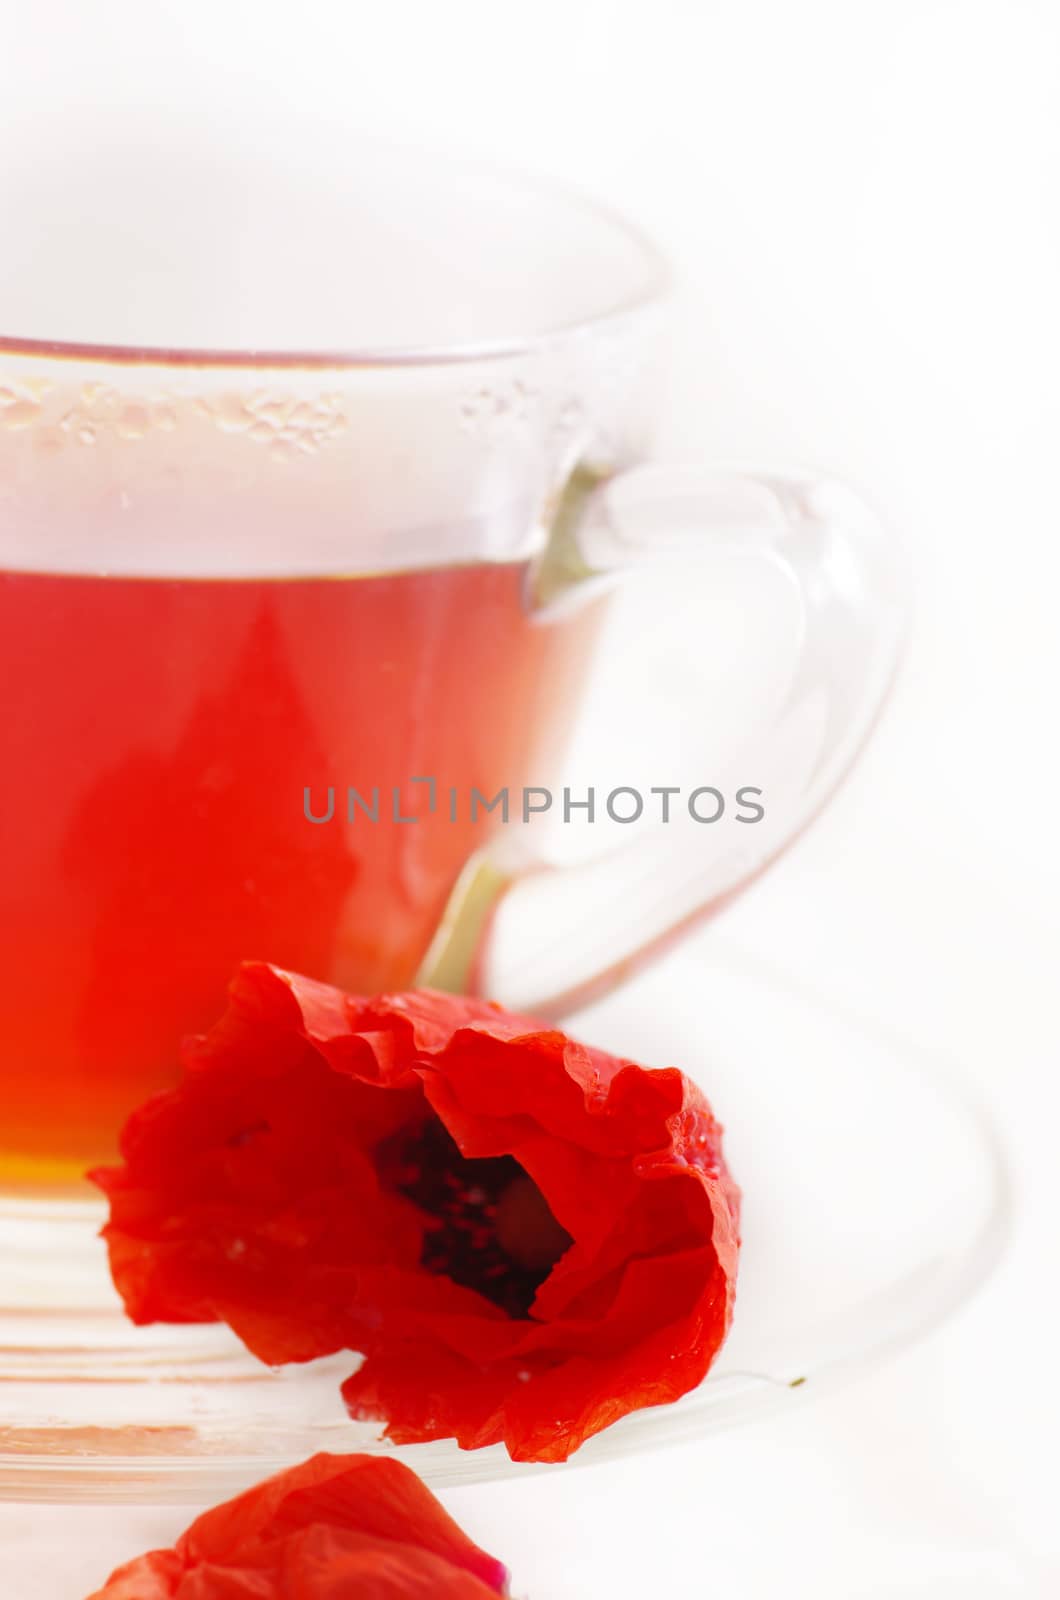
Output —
(490, 1226)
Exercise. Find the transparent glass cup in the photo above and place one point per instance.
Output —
(316, 487)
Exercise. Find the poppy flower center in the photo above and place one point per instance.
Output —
(490, 1228)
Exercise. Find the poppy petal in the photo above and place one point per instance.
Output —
(523, 1236)
(331, 1527)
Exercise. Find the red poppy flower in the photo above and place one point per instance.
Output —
(333, 1527)
(525, 1238)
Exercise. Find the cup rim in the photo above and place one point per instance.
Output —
(654, 285)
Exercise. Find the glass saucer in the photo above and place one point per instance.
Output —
(875, 1201)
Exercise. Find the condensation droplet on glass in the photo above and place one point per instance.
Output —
(165, 418)
(273, 409)
(231, 414)
(86, 433)
(134, 420)
(20, 414)
(480, 408)
(524, 399)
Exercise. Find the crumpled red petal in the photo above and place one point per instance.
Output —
(260, 1192)
(334, 1527)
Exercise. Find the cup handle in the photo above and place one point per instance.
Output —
(551, 938)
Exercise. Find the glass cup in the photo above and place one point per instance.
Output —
(316, 488)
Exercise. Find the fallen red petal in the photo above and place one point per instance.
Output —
(333, 1527)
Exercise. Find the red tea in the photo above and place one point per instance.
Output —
(157, 740)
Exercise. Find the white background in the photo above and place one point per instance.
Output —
(861, 200)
